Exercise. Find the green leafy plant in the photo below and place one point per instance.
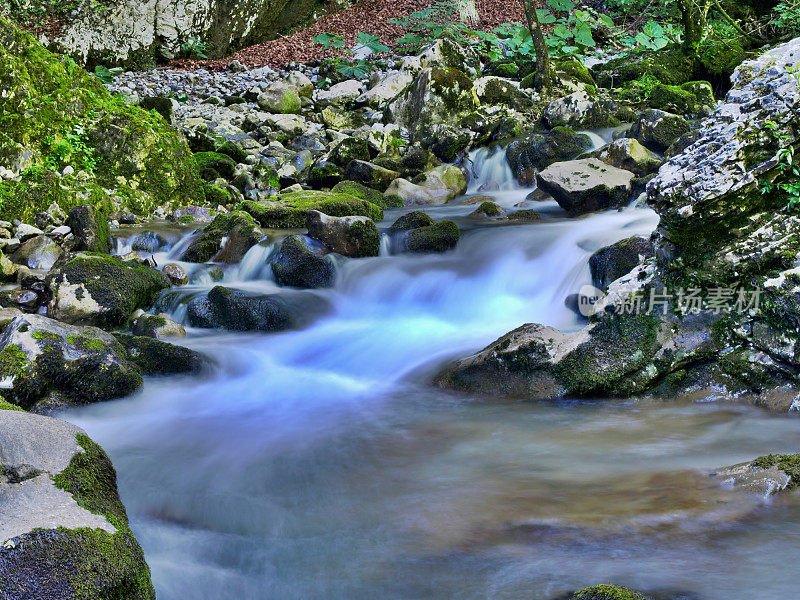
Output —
(785, 178)
(653, 36)
(345, 64)
(327, 41)
(787, 17)
(194, 48)
(372, 42)
(106, 75)
(72, 148)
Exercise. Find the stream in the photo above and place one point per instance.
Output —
(321, 464)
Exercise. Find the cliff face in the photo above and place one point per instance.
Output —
(137, 34)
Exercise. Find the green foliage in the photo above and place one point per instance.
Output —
(327, 41)
(194, 48)
(787, 17)
(106, 75)
(345, 64)
(784, 179)
(70, 147)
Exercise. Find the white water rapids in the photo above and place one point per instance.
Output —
(319, 464)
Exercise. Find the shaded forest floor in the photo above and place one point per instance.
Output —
(375, 17)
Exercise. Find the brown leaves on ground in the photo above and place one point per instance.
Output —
(374, 17)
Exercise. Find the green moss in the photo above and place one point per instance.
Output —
(212, 165)
(8, 406)
(788, 463)
(607, 592)
(12, 360)
(53, 113)
(215, 195)
(41, 336)
(85, 342)
(490, 209)
(120, 287)
(668, 65)
(455, 88)
(574, 70)
(291, 210)
(439, 237)
(238, 227)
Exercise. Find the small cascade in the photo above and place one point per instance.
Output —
(254, 266)
(490, 171)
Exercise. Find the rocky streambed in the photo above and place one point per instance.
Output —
(286, 294)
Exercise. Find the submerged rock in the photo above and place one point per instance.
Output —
(356, 237)
(587, 185)
(63, 530)
(765, 475)
(607, 592)
(439, 237)
(302, 262)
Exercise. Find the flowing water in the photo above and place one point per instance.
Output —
(321, 464)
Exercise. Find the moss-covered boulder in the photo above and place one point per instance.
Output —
(362, 192)
(44, 359)
(538, 151)
(90, 229)
(439, 237)
(239, 232)
(412, 220)
(691, 98)
(213, 165)
(370, 174)
(64, 532)
(302, 262)
(94, 289)
(53, 114)
(437, 186)
(629, 154)
(291, 210)
(658, 129)
(669, 65)
(766, 475)
(356, 237)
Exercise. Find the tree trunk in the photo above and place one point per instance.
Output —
(693, 16)
(544, 73)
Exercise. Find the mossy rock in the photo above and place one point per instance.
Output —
(788, 463)
(238, 229)
(574, 70)
(362, 192)
(412, 220)
(216, 195)
(669, 66)
(232, 150)
(607, 592)
(102, 290)
(439, 237)
(75, 563)
(154, 357)
(54, 114)
(690, 98)
(90, 228)
(8, 406)
(213, 165)
(291, 210)
(84, 364)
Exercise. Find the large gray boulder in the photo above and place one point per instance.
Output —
(587, 185)
(437, 186)
(629, 154)
(612, 262)
(538, 151)
(64, 532)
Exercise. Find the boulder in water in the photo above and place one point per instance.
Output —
(412, 220)
(371, 175)
(90, 229)
(95, 289)
(148, 241)
(291, 210)
(40, 356)
(224, 308)
(226, 239)
(612, 262)
(438, 186)
(302, 262)
(587, 185)
(154, 357)
(156, 326)
(540, 150)
(439, 237)
(63, 530)
(629, 154)
(356, 237)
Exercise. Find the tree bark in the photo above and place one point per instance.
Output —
(544, 72)
(693, 16)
